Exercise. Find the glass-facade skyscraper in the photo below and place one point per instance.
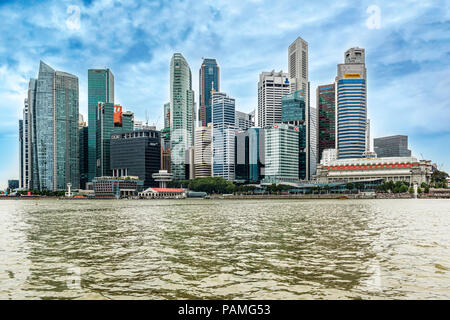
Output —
(249, 155)
(182, 113)
(326, 118)
(53, 121)
(223, 113)
(100, 89)
(110, 120)
(209, 77)
(351, 95)
(281, 153)
(294, 113)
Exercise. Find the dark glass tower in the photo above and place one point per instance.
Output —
(209, 76)
(136, 153)
(100, 89)
(110, 120)
(326, 105)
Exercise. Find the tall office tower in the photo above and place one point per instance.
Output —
(298, 66)
(110, 120)
(203, 151)
(312, 142)
(182, 120)
(209, 77)
(244, 120)
(351, 96)
(281, 152)
(392, 146)
(136, 153)
(100, 89)
(32, 148)
(24, 145)
(84, 153)
(53, 107)
(294, 113)
(224, 118)
(271, 87)
(326, 118)
(298, 74)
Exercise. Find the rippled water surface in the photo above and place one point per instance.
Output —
(225, 249)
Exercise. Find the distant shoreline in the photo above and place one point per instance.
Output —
(261, 197)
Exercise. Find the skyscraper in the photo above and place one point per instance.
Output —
(298, 66)
(223, 113)
(209, 77)
(203, 151)
(100, 89)
(326, 118)
(298, 76)
(351, 104)
(249, 155)
(53, 108)
(281, 153)
(84, 153)
(24, 147)
(136, 153)
(294, 114)
(271, 87)
(182, 113)
(110, 120)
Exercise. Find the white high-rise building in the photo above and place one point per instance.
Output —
(224, 131)
(298, 66)
(271, 87)
(182, 110)
(298, 75)
(281, 153)
(312, 142)
(203, 151)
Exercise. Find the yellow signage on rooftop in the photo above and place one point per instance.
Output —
(352, 75)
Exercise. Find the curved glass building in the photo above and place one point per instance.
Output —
(182, 113)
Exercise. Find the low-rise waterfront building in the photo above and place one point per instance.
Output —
(116, 187)
(407, 169)
(163, 193)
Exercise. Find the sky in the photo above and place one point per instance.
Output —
(407, 47)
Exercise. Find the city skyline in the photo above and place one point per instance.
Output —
(403, 78)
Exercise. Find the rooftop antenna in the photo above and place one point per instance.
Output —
(146, 117)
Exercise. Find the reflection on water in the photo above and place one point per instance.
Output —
(225, 249)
